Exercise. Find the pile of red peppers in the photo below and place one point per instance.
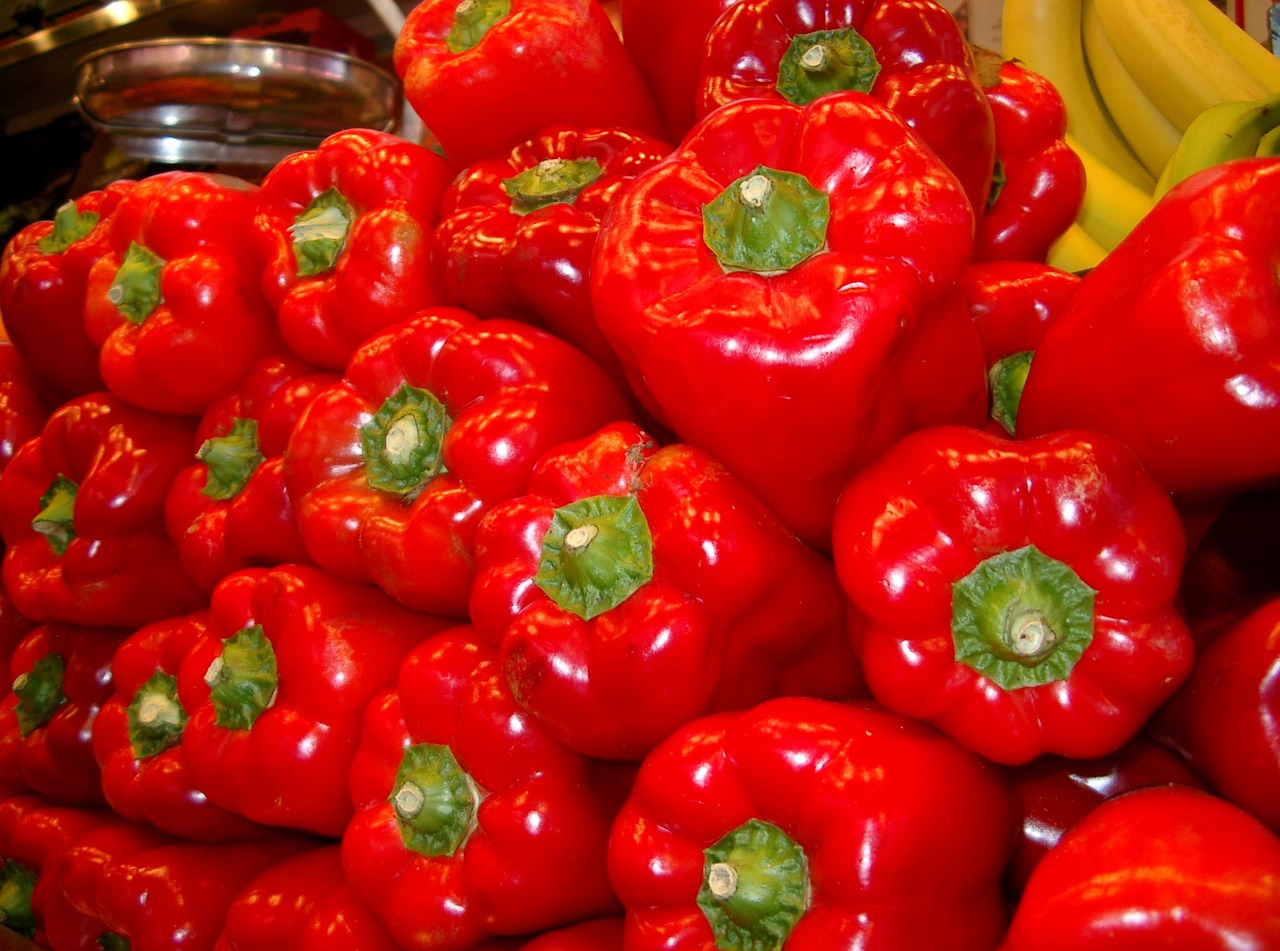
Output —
(675, 506)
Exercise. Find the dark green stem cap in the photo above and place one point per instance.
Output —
(755, 887)
(56, 520)
(766, 221)
(231, 459)
(17, 883)
(136, 288)
(998, 180)
(403, 442)
(472, 19)
(39, 692)
(320, 232)
(69, 226)
(596, 554)
(434, 799)
(156, 717)
(1007, 377)
(553, 181)
(1021, 618)
(242, 680)
(826, 61)
(111, 941)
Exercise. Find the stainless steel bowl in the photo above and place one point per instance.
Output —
(229, 100)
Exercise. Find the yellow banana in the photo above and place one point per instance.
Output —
(1173, 58)
(1112, 204)
(1261, 63)
(1149, 133)
(1269, 144)
(1044, 35)
(1223, 132)
(1075, 250)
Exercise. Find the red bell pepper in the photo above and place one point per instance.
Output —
(811, 825)
(25, 402)
(1038, 185)
(1165, 866)
(230, 509)
(61, 678)
(137, 738)
(303, 903)
(276, 686)
(44, 273)
(1233, 563)
(600, 934)
(74, 918)
(1171, 344)
(82, 516)
(471, 821)
(150, 892)
(815, 295)
(664, 39)
(436, 420)
(911, 56)
(345, 231)
(635, 587)
(1055, 792)
(517, 230)
(1223, 719)
(34, 835)
(485, 75)
(13, 628)
(174, 299)
(1012, 303)
(1021, 595)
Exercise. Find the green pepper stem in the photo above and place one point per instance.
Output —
(1021, 618)
(56, 518)
(320, 232)
(552, 181)
(69, 226)
(755, 887)
(38, 692)
(767, 221)
(243, 679)
(826, 61)
(596, 554)
(135, 290)
(434, 799)
(231, 459)
(472, 20)
(404, 440)
(155, 715)
(1006, 380)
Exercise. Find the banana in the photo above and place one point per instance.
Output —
(1152, 137)
(1173, 58)
(1044, 35)
(1261, 63)
(1112, 204)
(1075, 250)
(1269, 144)
(1223, 132)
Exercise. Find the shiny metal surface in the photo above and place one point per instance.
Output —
(107, 17)
(229, 100)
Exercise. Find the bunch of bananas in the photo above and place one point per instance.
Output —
(1155, 90)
